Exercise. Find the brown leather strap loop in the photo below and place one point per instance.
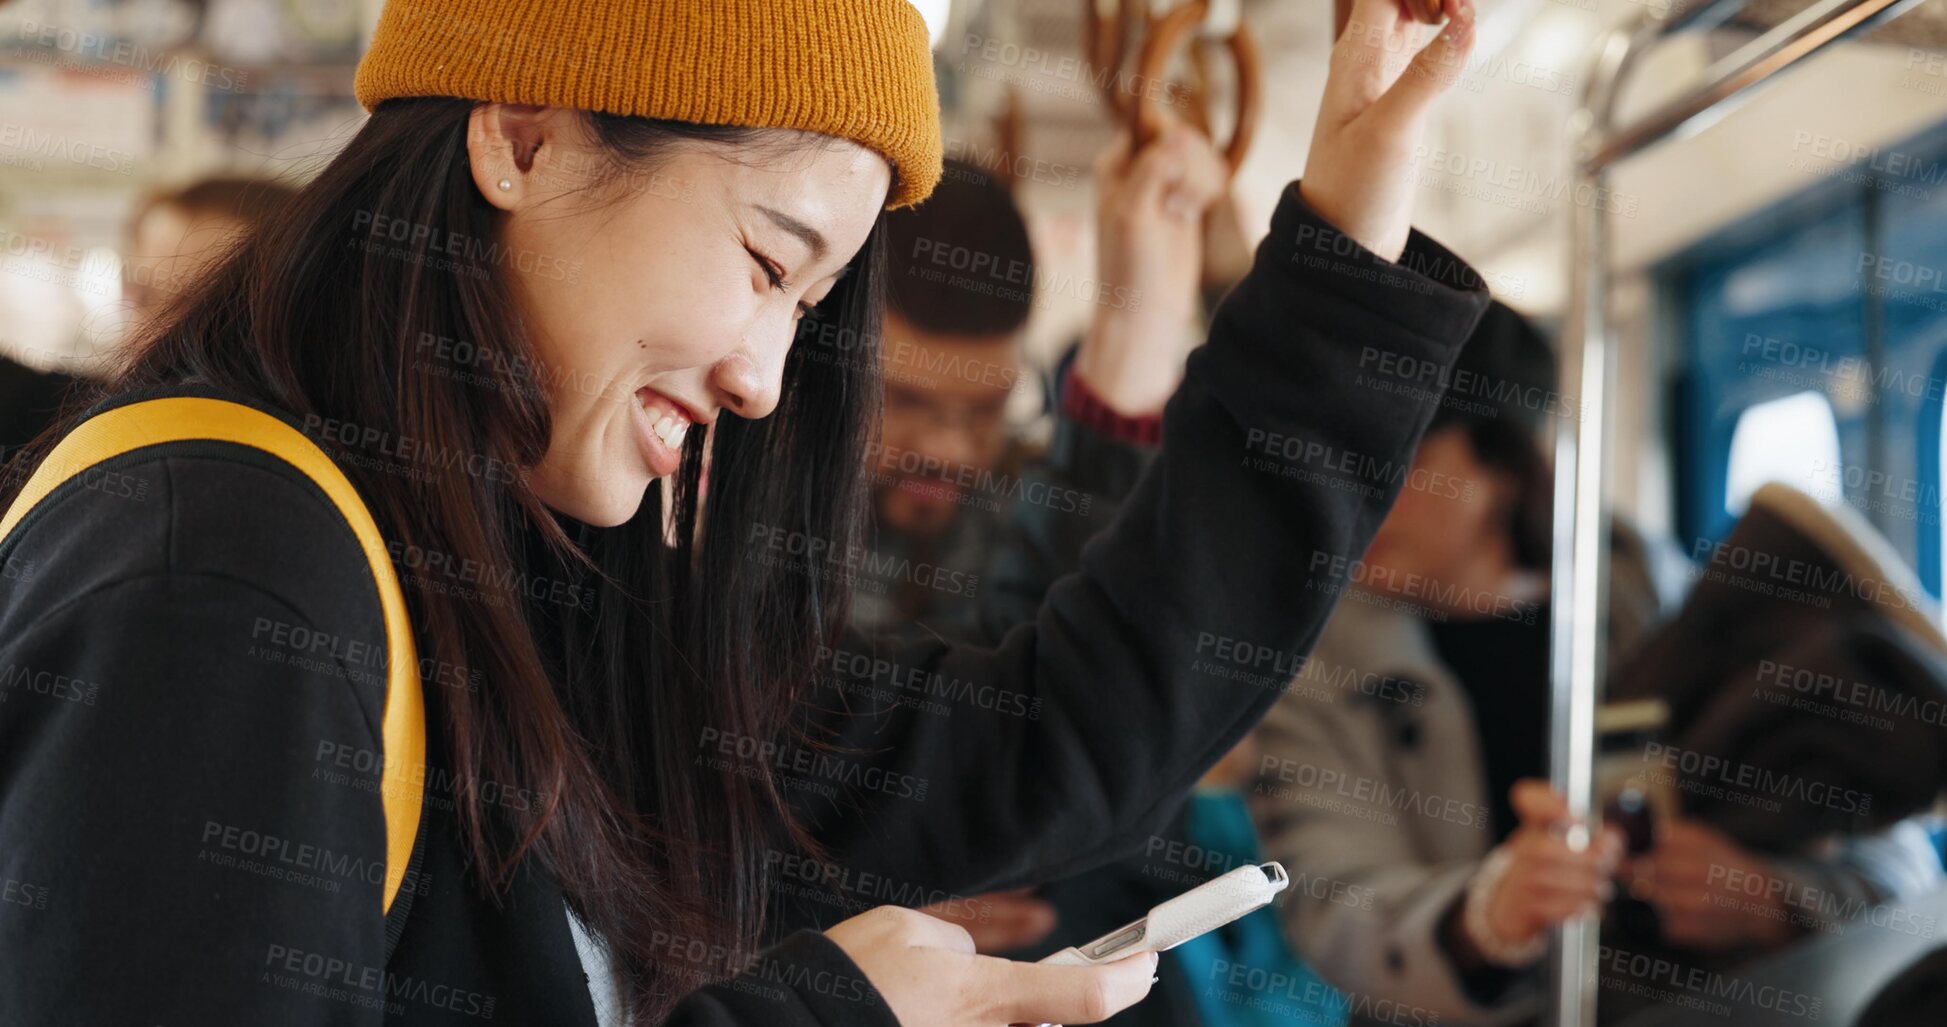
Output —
(1154, 61)
(1105, 45)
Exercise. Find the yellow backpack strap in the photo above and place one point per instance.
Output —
(155, 422)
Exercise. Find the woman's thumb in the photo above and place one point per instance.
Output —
(1043, 993)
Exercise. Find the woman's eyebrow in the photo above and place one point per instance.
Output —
(809, 235)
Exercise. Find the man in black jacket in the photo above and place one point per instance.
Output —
(945, 470)
(974, 522)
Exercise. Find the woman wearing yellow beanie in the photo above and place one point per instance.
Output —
(478, 364)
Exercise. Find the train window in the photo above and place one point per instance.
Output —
(1904, 272)
(1794, 440)
(1932, 514)
(1771, 326)
(1810, 347)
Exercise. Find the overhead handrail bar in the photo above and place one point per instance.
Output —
(1784, 45)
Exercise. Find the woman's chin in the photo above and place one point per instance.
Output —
(607, 502)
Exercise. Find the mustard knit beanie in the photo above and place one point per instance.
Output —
(856, 69)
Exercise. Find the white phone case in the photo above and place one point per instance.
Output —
(1204, 908)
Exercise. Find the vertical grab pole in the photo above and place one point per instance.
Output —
(1579, 587)
(1580, 594)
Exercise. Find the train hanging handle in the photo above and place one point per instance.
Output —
(1105, 45)
(1161, 44)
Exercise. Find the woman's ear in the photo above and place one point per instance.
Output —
(504, 146)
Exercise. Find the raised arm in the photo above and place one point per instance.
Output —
(1150, 207)
(1065, 745)
(1070, 742)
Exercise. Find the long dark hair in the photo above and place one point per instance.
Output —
(326, 314)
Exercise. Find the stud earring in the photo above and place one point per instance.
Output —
(505, 185)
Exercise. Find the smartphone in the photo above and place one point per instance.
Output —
(1626, 790)
(1200, 910)
(1204, 908)
(1633, 798)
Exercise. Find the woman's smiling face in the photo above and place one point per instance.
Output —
(659, 298)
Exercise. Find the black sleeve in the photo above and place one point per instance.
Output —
(807, 981)
(187, 853)
(939, 771)
(1069, 495)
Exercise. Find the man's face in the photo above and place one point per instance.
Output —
(945, 400)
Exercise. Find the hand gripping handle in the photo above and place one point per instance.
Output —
(1154, 61)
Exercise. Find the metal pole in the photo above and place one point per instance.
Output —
(1579, 586)
(1576, 642)
(1580, 582)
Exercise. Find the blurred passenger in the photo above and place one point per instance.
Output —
(176, 235)
(986, 520)
(172, 237)
(1817, 808)
(1401, 772)
(961, 278)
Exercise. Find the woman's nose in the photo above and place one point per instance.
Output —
(750, 387)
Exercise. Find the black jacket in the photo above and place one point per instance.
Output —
(188, 736)
(29, 402)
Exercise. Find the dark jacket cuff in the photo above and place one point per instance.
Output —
(1428, 291)
(1080, 404)
(1094, 462)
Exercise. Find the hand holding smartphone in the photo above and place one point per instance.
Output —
(1200, 910)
